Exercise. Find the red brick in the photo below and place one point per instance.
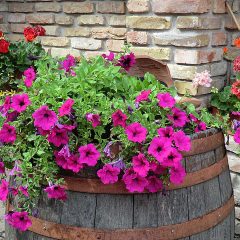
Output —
(78, 7)
(111, 7)
(181, 6)
(184, 56)
(64, 20)
(40, 18)
(16, 18)
(139, 38)
(1, 19)
(219, 39)
(219, 6)
(115, 45)
(18, 28)
(138, 6)
(4, 28)
(230, 24)
(21, 7)
(47, 7)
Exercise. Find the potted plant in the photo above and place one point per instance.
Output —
(92, 120)
(16, 57)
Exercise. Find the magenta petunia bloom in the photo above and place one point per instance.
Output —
(6, 106)
(166, 100)
(12, 116)
(13, 191)
(74, 164)
(119, 118)
(136, 132)
(58, 136)
(134, 182)
(19, 220)
(159, 148)
(56, 192)
(89, 154)
(143, 96)
(68, 63)
(177, 175)
(108, 174)
(2, 167)
(193, 118)
(20, 102)
(172, 159)
(166, 132)
(127, 61)
(237, 136)
(108, 57)
(154, 184)
(182, 141)
(44, 118)
(140, 165)
(61, 160)
(4, 190)
(202, 126)
(95, 119)
(8, 134)
(30, 76)
(156, 168)
(65, 151)
(178, 118)
(16, 170)
(24, 191)
(66, 108)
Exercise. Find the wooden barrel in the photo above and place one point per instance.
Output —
(202, 208)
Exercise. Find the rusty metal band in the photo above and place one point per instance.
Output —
(94, 185)
(205, 144)
(168, 232)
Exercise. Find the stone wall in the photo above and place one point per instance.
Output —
(187, 34)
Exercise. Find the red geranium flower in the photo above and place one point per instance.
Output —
(29, 34)
(39, 30)
(4, 46)
(236, 89)
(1, 34)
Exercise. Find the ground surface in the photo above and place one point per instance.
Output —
(234, 163)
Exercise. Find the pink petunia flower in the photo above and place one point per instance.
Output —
(166, 100)
(13, 191)
(30, 76)
(134, 182)
(154, 184)
(156, 168)
(6, 106)
(4, 190)
(108, 174)
(58, 136)
(193, 118)
(127, 61)
(19, 220)
(2, 167)
(166, 132)
(159, 148)
(61, 160)
(119, 118)
(89, 154)
(178, 118)
(136, 132)
(68, 63)
(143, 96)
(24, 191)
(108, 57)
(8, 134)
(177, 174)
(20, 102)
(66, 108)
(237, 136)
(12, 116)
(94, 119)
(16, 170)
(65, 151)
(182, 141)
(172, 159)
(74, 164)
(202, 126)
(44, 118)
(56, 192)
(140, 165)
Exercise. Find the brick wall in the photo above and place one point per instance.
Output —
(187, 34)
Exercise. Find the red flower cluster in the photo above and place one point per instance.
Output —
(236, 64)
(4, 45)
(236, 89)
(30, 33)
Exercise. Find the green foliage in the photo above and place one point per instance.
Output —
(21, 55)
